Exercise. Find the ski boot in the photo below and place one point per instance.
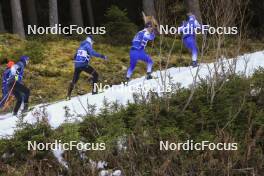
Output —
(194, 64)
(25, 109)
(94, 91)
(149, 76)
(126, 81)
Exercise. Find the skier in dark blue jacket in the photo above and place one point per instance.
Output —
(189, 39)
(13, 81)
(5, 80)
(81, 59)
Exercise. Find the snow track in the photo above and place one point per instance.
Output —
(77, 106)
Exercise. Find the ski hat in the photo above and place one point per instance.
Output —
(148, 24)
(10, 64)
(191, 16)
(90, 39)
(24, 59)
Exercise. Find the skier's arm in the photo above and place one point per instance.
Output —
(197, 24)
(93, 53)
(149, 36)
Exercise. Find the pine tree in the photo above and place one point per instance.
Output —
(2, 25)
(53, 12)
(76, 12)
(90, 12)
(149, 7)
(193, 6)
(31, 12)
(17, 18)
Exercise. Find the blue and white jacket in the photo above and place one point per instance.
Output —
(84, 54)
(188, 27)
(141, 39)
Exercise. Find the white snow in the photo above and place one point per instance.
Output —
(78, 105)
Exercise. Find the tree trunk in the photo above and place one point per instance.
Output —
(90, 12)
(149, 7)
(76, 12)
(194, 7)
(2, 25)
(31, 12)
(53, 12)
(17, 18)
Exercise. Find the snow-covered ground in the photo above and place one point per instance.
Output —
(77, 106)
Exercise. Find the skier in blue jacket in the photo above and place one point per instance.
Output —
(5, 81)
(81, 59)
(13, 81)
(137, 51)
(188, 29)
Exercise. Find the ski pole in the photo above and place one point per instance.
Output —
(181, 52)
(3, 99)
(10, 92)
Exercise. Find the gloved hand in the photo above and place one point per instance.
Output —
(16, 77)
(104, 57)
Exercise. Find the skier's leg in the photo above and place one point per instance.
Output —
(90, 70)
(75, 79)
(190, 44)
(19, 98)
(133, 63)
(26, 92)
(194, 52)
(147, 59)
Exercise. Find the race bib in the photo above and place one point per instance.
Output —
(82, 53)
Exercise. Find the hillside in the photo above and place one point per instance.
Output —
(51, 66)
(132, 132)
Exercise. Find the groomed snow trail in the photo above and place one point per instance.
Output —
(119, 93)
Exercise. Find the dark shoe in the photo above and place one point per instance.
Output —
(149, 76)
(14, 113)
(194, 64)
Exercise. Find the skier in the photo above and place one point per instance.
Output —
(15, 86)
(82, 57)
(137, 51)
(5, 91)
(188, 29)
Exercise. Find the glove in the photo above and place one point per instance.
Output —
(16, 77)
(104, 57)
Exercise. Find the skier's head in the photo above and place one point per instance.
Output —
(90, 39)
(24, 59)
(191, 16)
(10, 64)
(149, 26)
